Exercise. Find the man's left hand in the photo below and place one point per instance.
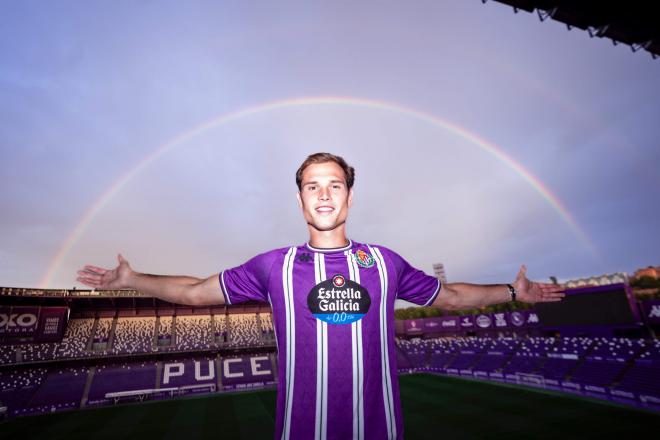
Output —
(533, 292)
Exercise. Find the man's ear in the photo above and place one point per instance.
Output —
(300, 203)
(350, 197)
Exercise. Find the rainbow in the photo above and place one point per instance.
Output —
(226, 118)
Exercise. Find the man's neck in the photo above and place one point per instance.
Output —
(328, 239)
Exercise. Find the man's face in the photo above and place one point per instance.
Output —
(324, 197)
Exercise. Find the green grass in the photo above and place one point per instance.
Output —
(461, 408)
(434, 407)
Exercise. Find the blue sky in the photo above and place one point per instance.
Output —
(87, 91)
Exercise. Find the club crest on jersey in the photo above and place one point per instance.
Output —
(363, 259)
(338, 301)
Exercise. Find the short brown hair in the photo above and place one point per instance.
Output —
(349, 171)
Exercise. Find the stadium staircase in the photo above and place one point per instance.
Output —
(404, 354)
(453, 358)
(154, 343)
(505, 363)
(214, 330)
(572, 371)
(273, 361)
(539, 366)
(218, 376)
(624, 371)
(427, 359)
(174, 338)
(90, 341)
(228, 329)
(262, 336)
(88, 385)
(111, 334)
(159, 373)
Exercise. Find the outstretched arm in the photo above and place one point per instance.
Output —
(175, 289)
(461, 296)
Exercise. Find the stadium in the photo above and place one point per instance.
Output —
(99, 354)
(478, 141)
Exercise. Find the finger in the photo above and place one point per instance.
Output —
(90, 275)
(87, 282)
(95, 269)
(121, 259)
(550, 288)
(520, 274)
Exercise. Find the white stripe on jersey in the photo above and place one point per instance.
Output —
(432, 298)
(325, 360)
(277, 347)
(321, 426)
(357, 355)
(287, 283)
(224, 287)
(388, 399)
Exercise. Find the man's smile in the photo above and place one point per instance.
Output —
(325, 209)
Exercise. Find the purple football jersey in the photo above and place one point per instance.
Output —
(333, 313)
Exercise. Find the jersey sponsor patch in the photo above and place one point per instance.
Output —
(363, 259)
(338, 300)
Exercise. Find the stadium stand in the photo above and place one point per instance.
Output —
(193, 332)
(643, 377)
(18, 386)
(621, 369)
(101, 339)
(220, 322)
(73, 345)
(118, 352)
(244, 330)
(267, 330)
(112, 378)
(133, 335)
(60, 390)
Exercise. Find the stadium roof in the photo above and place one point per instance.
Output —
(94, 300)
(633, 22)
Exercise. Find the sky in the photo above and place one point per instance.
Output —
(171, 132)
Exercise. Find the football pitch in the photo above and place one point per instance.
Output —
(433, 406)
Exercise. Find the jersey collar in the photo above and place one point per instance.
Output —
(339, 249)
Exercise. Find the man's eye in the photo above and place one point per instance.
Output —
(337, 187)
(311, 188)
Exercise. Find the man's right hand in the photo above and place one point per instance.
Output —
(99, 278)
(175, 289)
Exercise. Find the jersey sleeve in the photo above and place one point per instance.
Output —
(247, 282)
(414, 285)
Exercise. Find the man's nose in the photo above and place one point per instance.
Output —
(324, 194)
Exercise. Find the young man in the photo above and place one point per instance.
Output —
(333, 310)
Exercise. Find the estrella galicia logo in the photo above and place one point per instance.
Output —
(338, 301)
(364, 259)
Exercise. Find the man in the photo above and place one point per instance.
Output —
(333, 310)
